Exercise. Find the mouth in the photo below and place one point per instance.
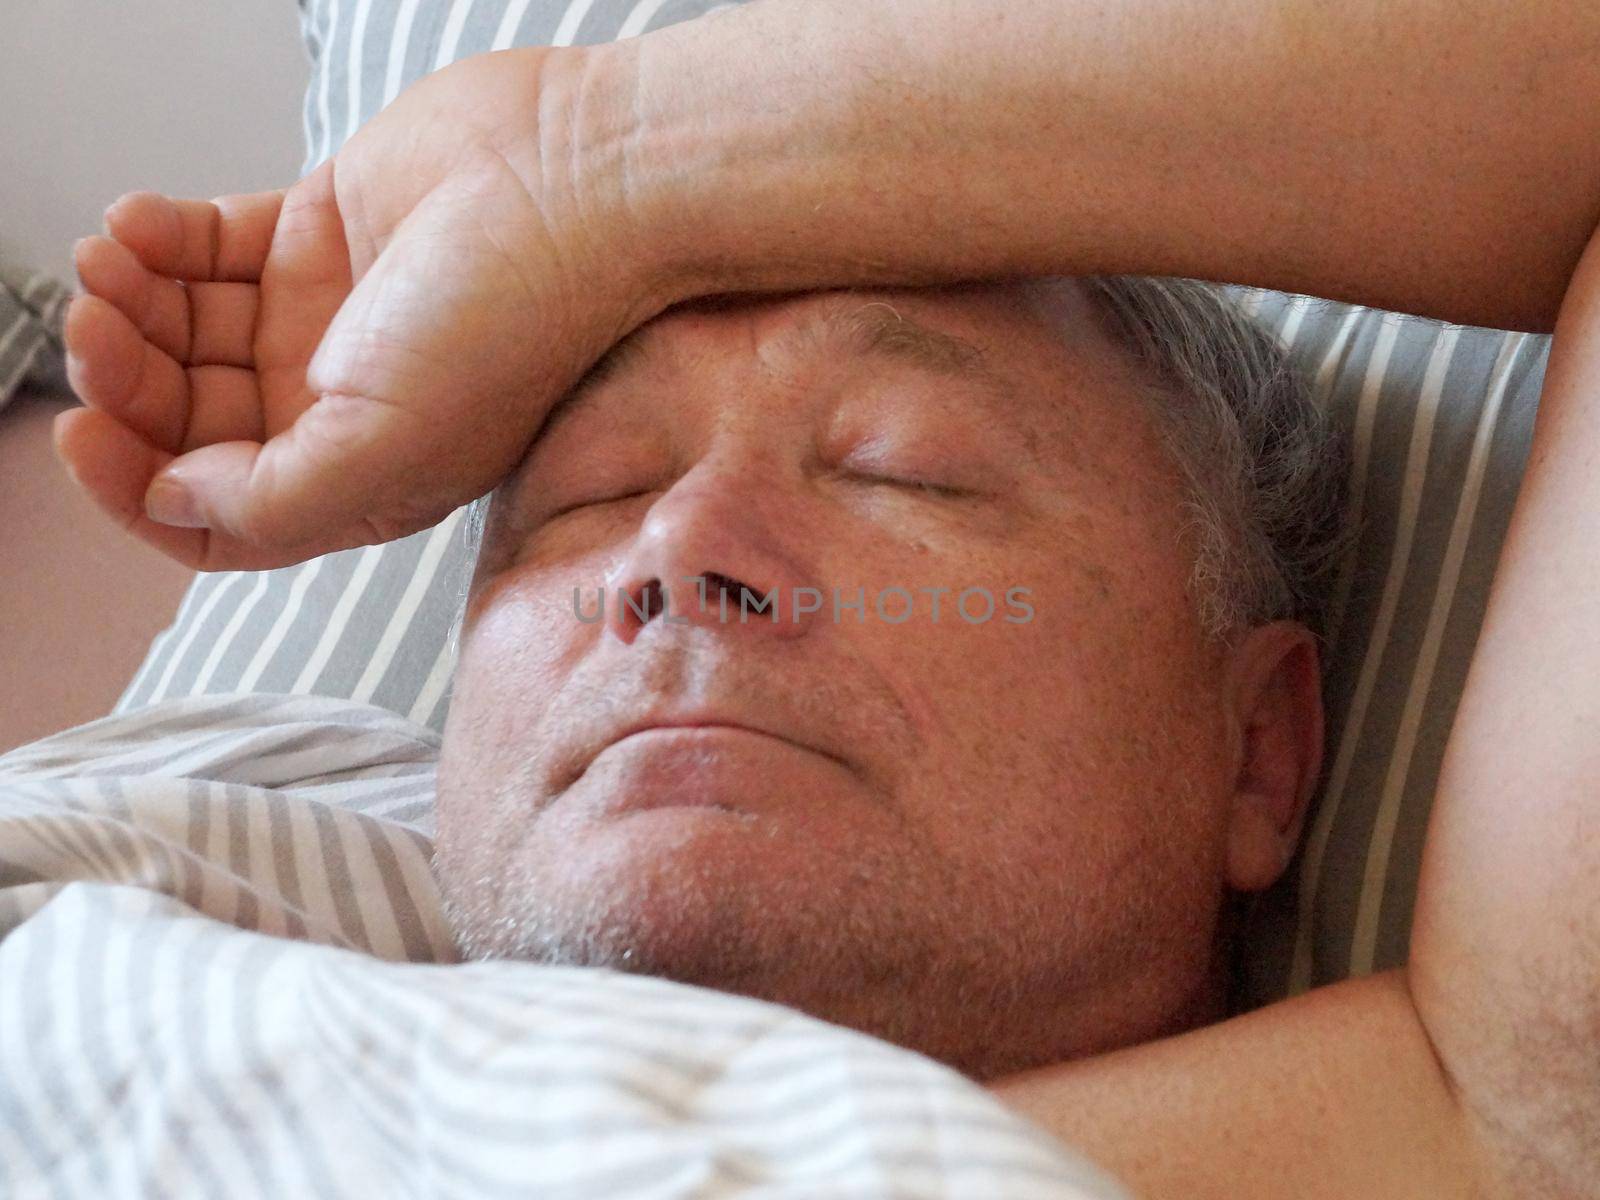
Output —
(711, 725)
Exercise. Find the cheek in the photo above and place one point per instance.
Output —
(1067, 732)
(523, 642)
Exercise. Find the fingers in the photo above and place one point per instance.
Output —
(158, 306)
(226, 239)
(210, 324)
(113, 368)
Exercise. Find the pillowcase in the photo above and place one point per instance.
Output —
(33, 308)
(1440, 419)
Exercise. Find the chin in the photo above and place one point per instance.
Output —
(670, 891)
(697, 896)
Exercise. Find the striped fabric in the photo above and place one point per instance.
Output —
(33, 306)
(223, 972)
(1440, 416)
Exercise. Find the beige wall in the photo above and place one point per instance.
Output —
(99, 97)
(188, 97)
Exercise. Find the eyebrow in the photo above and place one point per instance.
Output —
(872, 330)
(876, 330)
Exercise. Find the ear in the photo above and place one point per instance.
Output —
(1274, 688)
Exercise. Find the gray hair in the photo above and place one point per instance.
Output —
(1265, 469)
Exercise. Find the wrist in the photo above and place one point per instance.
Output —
(620, 212)
(741, 165)
(566, 138)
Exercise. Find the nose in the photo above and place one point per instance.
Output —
(709, 553)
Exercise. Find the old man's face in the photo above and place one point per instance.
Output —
(996, 835)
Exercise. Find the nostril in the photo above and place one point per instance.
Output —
(722, 589)
(651, 600)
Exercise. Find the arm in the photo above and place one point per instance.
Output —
(1427, 156)
(1505, 947)
(274, 376)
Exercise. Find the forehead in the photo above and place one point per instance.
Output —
(994, 338)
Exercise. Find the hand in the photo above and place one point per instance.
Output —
(347, 360)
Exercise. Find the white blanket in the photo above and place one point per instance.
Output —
(223, 972)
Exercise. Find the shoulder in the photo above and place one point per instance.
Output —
(1331, 1094)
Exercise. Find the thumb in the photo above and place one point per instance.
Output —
(343, 467)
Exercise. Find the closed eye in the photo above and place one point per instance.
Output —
(942, 490)
(596, 503)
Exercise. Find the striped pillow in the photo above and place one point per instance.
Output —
(1434, 486)
(1440, 418)
(33, 306)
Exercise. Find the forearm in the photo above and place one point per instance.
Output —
(1429, 156)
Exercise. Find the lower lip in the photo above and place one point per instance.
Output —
(718, 767)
